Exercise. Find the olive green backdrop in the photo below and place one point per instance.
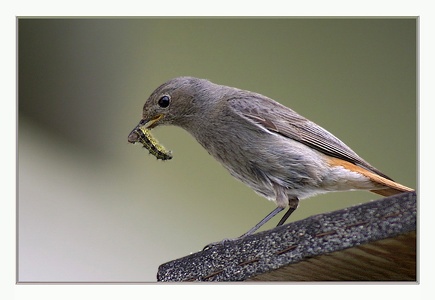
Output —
(92, 207)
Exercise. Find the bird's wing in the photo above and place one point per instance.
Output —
(277, 118)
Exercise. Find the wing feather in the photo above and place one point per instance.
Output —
(280, 119)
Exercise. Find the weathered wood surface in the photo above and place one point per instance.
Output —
(370, 241)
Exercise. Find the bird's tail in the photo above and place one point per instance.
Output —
(392, 188)
(384, 186)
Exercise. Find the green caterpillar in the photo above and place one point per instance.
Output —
(151, 144)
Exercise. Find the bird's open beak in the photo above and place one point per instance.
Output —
(143, 124)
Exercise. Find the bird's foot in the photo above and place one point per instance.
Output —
(220, 243)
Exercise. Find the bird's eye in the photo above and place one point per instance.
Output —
(164, 101)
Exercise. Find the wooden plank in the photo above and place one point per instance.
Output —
(370, 241)
(388, 259)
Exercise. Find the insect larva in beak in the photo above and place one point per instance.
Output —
(151, 144)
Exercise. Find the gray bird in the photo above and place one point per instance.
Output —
(275, 151)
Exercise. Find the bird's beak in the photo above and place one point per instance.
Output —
(150, 123)
(143, 124)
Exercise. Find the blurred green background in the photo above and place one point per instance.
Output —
(92, 207)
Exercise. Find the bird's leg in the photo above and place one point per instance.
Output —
(250, 231)
(262, 222)
(293, 204)
(281, 201)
